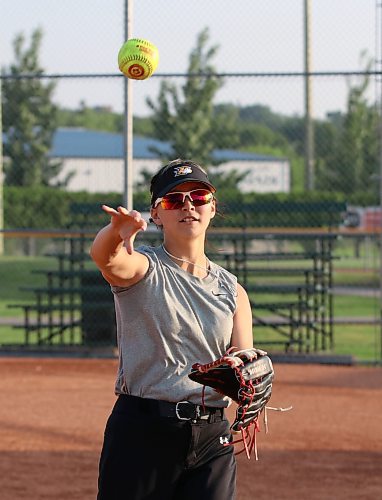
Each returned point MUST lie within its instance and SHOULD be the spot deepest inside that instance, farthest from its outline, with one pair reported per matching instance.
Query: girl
(174, 307)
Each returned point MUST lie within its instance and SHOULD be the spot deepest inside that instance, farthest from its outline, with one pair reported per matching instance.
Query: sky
(84, 36)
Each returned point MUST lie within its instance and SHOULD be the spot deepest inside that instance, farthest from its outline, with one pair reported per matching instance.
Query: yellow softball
(138, 58)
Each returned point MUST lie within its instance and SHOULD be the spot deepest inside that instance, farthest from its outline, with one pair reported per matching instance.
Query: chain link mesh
(284, 161)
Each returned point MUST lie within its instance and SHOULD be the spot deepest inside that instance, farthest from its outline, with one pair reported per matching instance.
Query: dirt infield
(53, 412)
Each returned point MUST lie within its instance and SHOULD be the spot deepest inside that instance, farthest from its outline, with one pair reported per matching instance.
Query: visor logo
(183, 170)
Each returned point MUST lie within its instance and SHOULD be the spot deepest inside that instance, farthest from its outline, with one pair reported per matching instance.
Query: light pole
(380, 215)
(378, 66)
(1, 179)
(309, 133)
(128, 120)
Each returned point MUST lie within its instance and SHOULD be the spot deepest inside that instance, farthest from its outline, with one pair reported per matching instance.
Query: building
(95, 160)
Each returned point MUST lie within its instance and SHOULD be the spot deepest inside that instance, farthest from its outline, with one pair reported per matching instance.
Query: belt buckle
(177, 410)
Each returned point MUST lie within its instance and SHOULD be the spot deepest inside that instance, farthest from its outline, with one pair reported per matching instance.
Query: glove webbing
(249, 440)
(246, 394)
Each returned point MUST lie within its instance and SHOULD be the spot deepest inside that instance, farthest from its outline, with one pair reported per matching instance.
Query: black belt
(183, 410)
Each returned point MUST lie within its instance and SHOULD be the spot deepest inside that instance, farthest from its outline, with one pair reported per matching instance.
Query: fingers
(135, 215)
(128, 243)
(123, 212)
(127, 223)
(250, 354)
(261, 352)
(109, 210)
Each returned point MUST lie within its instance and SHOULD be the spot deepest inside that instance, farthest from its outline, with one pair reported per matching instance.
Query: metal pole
(1, 179)
(128, 120)
(380, 228)
(379, 47)
(309, 137)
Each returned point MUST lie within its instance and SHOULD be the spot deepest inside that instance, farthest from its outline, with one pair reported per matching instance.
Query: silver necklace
(207, 269)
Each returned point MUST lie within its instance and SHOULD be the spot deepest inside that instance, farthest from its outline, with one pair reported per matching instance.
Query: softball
(138, 58)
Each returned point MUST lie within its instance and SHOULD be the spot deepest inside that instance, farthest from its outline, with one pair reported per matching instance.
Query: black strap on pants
(182, 410)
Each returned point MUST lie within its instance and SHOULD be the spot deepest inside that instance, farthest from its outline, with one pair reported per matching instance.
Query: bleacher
(289, 289)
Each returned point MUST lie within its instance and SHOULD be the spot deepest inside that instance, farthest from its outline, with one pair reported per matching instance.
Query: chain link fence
(292, 143)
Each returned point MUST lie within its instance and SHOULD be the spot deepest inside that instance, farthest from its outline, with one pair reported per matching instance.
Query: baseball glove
(246, 377)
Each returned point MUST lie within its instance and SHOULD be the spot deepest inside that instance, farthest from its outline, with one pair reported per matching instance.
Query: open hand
(128, 224)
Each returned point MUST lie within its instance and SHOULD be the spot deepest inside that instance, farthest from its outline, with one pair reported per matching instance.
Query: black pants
(149, 457)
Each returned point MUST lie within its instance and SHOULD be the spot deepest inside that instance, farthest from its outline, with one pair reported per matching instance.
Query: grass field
(361, 340)
(16, 272)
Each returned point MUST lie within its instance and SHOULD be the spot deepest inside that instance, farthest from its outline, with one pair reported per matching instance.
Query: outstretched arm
(113, 247)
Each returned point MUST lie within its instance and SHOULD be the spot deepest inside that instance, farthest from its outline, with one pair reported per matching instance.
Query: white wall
(101, 175)
(106, 175)
(262, 176)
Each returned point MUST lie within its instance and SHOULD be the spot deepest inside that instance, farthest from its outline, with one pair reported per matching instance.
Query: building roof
(84, 143)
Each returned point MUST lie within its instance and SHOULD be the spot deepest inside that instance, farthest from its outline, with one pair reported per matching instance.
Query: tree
(187, 122)
(355, 156)
(225, 127)
(29, 117)
(91, 118)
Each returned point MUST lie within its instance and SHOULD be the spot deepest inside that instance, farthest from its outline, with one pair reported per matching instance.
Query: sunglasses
(174, 201)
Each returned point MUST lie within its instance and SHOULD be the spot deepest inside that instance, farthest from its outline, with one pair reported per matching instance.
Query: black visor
(178, 172)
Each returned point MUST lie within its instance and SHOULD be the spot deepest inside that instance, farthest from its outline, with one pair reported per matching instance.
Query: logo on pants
(224, 440)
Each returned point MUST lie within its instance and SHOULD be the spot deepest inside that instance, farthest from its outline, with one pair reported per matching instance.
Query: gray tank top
(167, 322)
